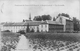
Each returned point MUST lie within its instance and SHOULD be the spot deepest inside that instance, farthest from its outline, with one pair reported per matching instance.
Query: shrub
(28, 29)
(6, 31)
(32, 30)
(37, 30)
(21, 32)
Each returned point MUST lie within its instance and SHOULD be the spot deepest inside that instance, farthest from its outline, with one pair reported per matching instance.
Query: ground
(41, 41)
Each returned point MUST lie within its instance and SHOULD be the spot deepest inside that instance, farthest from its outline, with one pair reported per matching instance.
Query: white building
(61, 24)
(15, 27)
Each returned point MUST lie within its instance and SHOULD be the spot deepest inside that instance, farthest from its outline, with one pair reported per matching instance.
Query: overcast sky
(17, 10)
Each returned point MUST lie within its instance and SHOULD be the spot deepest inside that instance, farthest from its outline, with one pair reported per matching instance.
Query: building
(60, 24)
(15, 27)
(41, 26)
(67, 22)
(50, 26)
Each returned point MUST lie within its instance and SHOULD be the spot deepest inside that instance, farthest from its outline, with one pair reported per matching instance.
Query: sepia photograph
(39, 25)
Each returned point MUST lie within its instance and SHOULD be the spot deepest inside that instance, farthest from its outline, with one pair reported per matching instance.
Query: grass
(57, 36)
(9, 40)
(52, 36)
(9, 36)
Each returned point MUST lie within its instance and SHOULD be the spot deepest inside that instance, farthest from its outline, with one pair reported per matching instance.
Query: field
(57, 36)
(54, 42)
(9, 40)
(41, 40)
(8, 36)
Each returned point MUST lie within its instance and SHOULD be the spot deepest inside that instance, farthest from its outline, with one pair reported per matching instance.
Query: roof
(32, 23)
(14, 24)
(51, 22)
(63, 16)
(69, 20)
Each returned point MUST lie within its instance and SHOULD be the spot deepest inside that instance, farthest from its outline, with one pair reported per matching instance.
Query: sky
(17, 10)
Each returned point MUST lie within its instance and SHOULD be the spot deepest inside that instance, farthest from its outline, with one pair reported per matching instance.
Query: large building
(60, 24)
(50, 26)
(15, 27)
(67, 22)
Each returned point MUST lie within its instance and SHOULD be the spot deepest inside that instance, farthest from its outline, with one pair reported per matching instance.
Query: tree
(21, 32)
(37, 18)
(37, 30)
(75, 24)
(32, 30)
(43, 17)
(66, 15)
(6, 30)
(63, 14)
(27, 29)
(46, 17)
(23, 20)
(54, 18)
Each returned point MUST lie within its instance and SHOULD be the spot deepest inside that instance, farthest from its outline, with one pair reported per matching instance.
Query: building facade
(15, 27)
(69, 25)
(60, 24)
(67, 22)
(51, 26)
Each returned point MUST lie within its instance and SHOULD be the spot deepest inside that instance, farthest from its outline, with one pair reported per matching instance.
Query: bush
(32, 30)
(6, 31)
(21, 32)
(37, 30)
(28, 29)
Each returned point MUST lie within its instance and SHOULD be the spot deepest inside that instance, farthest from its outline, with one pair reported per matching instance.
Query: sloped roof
(33, 23)
(51, 22)
(7, 24)
(63, 16)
